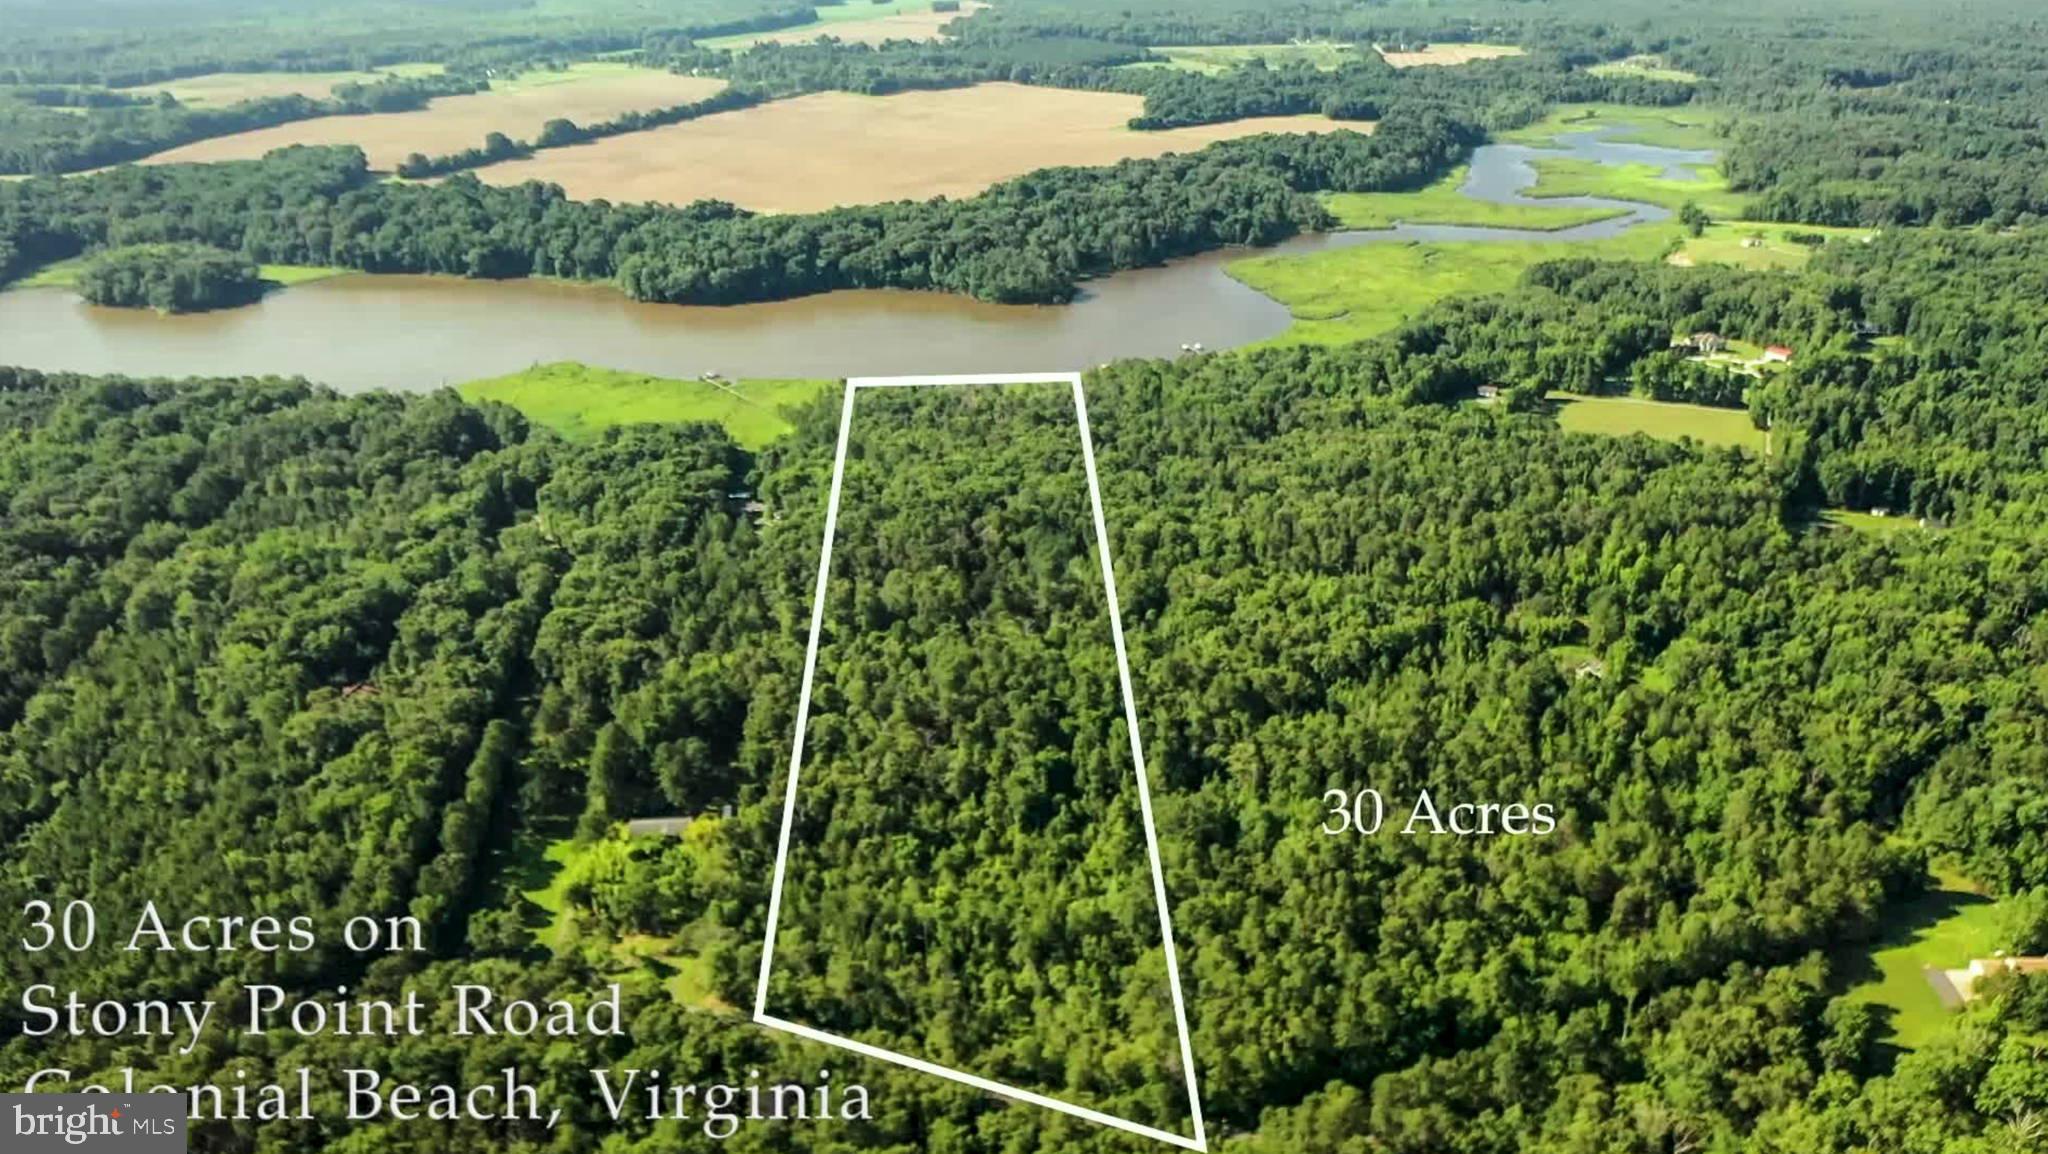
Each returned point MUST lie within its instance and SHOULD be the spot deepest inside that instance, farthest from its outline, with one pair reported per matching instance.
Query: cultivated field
(859, 22)
(217, 89)
(832, 148)
(1447, 54)
(586, 94)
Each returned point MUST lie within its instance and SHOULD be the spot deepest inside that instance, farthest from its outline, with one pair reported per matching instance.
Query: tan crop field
(1449, 54)
(218, 89)
(454, 123)
(911, 20)
(813, 152)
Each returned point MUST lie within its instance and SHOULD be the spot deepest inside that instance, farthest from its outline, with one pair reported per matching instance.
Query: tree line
(1032, 239)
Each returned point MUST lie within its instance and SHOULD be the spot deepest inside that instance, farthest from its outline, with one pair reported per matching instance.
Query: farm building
(1778, 353)
(1965, 981)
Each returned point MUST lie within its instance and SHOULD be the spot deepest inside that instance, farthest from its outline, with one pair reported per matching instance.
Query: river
(409, 333)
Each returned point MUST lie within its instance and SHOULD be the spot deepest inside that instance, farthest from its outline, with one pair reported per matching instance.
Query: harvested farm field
(586, 94)
(1448, 54)
(909, 20)
(219, 89)
(814, 152)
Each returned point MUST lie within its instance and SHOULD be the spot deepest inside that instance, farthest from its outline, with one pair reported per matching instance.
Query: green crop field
(1724, 243)
(1354, 293)
(1443, 203)
(1682, 127)
(1664, 420)
(1944, 928)
(582, 401)
(1570, 176)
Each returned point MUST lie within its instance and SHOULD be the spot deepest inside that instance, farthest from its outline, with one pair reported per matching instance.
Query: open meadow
(1648, 66)
(1762, 245)
(832, 148)
(1351, 294)
(1664, 420)
(581, 401)
(584, 93)
(858, 22)
(1439, 54)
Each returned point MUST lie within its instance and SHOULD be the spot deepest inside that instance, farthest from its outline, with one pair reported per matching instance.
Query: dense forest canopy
(267, 648)
(1334, 574)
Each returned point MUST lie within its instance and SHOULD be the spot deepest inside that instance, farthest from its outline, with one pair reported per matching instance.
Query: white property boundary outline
(1200, 1142)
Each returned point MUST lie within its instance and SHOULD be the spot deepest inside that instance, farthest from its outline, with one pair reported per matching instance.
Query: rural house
(1781, 354)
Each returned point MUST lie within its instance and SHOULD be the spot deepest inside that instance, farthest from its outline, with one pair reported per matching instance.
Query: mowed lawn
(1664, 420)
(1442, 203)
(814, 152)
(857, 22)
(218, 89)
(1944, 928)
(585, 93)
(1761, 245)
(581, 401)
(1354, 293)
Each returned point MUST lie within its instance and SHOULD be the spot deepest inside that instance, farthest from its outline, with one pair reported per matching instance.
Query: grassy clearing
(1442, 203)
(1664, 420)
(1570, 176)
(1212, 59)
(549, 866)
(1649, 67)
(1944, 928)
(581, 401)
(1680, 127)
(518, 106)
(1354, 293)
(219, 89)
(1870, 523)
(811, 153)
(1446, 54)
(857, 22)
(1728, 243)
